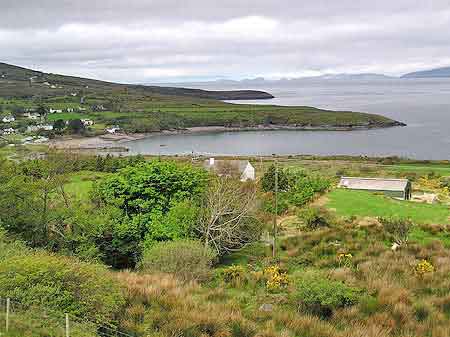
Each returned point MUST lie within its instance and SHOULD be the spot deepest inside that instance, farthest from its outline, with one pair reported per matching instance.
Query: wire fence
(17, 319)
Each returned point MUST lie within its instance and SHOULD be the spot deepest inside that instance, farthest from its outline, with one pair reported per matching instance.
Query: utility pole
(274, 251)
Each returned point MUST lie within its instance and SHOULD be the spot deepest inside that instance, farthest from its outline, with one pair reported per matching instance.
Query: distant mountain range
(433, 73)
(261, 81)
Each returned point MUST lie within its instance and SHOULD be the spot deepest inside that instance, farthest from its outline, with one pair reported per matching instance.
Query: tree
(151, 200)
(76, 126)
(59, 125)
(227, 219)
(42, 110)
(268, 180)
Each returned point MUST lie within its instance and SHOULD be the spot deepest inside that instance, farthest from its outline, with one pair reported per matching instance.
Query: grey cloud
(138, 40)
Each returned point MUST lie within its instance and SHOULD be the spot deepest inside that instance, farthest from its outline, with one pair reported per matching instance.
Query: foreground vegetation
(162, 248)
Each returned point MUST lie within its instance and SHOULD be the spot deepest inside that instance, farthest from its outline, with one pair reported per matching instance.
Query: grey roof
(235, 165)
(375, 184)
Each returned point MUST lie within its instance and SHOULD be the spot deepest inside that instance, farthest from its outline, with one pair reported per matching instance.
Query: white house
(9, 131)
(241, 169)
(35, 128)
(70, 110)
(112, 129)
(52, 111)
(8, 119)
(33, 116)
(87, 122)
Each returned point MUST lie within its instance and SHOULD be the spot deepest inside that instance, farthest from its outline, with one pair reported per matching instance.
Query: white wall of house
(249, 173)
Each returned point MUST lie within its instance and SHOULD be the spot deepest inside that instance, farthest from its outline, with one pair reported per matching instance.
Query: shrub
(314, 218)
(276, 279)
(398, 228)
(234, 274)
(423, 267)
(345, 260)
(322, 296)
(187, 259)
(61, 284)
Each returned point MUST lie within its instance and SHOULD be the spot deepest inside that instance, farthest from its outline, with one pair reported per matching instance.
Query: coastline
(117, 142)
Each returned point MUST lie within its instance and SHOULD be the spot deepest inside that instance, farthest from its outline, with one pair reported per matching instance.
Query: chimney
(211, 161)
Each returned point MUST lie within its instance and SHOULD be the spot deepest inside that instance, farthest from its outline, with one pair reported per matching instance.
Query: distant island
(432, 73)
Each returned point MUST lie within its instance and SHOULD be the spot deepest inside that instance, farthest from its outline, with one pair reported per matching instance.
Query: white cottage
(8, 119)
(241, 169)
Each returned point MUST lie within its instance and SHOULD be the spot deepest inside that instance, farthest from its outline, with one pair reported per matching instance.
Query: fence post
(8, 305)
(67, 326)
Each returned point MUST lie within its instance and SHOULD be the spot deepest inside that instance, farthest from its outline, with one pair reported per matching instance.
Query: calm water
(423, 104)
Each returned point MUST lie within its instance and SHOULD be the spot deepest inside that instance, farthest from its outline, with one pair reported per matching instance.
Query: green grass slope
(361, 203)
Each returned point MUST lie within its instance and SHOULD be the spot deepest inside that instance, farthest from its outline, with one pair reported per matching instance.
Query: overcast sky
(181, 40)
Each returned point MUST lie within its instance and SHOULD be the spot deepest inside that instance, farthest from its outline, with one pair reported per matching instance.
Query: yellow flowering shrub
(276, 279)
(345, 259)
(233, 274)
(423, 267)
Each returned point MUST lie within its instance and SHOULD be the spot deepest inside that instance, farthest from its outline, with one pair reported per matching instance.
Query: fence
(17, 319)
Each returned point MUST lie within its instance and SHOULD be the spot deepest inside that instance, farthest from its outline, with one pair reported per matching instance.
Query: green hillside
(139, 108)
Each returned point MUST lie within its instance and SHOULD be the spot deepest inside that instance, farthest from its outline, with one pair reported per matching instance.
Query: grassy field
(80, 184)
(361, 203)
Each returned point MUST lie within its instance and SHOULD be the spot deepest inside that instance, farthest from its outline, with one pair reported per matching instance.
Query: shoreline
(116, 142)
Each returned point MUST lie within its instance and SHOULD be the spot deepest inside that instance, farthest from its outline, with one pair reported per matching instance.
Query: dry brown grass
(398, 302)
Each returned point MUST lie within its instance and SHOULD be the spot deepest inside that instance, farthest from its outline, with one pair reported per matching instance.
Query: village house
(52, 111)
(39, 127)
(87, 122)
(32, 115)
(8, 131)
(112, 129)
(241, 169)
(8, 119)
(70, 110)
(395, 188)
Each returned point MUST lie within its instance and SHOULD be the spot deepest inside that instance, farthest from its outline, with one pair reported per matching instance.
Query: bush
(398, 228)
(423, 267)
(320, 296)
(234, 274)
(61, 284)
(314, 218)
(187, 259)
(276, 278)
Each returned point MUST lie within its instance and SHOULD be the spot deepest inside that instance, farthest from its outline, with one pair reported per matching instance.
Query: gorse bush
(276, 278)
(234, 274)
(423, 267)
(61, 284)
(321, 296)
(186, 259)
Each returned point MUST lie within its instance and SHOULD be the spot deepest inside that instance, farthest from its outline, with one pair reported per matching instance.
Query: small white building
(70, 110)
(9, 131)
(113, 129)
(32, 115)
(241, 169)
(39, 127)
(52, 111)
(87, 122)
(8, 119)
